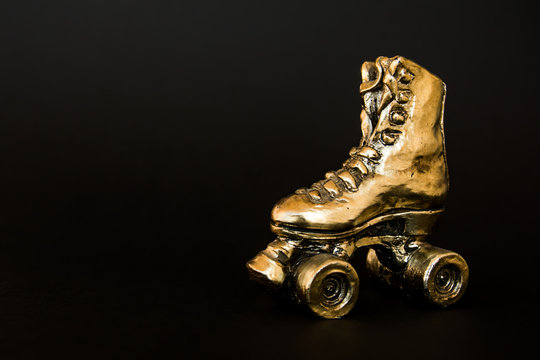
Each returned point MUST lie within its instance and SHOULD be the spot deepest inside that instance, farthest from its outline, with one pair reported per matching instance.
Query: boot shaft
(404, 103)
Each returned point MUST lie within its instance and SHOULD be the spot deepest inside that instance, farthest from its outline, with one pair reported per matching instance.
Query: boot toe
(296, 211)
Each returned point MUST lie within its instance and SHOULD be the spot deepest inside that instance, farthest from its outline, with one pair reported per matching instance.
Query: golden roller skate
(388, 196)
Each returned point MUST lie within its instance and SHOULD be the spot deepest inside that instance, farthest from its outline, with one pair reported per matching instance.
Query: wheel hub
(447, 279)
(334, 289)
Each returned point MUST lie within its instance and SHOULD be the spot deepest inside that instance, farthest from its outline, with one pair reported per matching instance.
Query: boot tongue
(369, 72)
(371, 75)
(370, 89)
(378, 89)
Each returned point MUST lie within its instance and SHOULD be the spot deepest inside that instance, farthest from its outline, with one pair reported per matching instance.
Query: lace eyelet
(389, 136)
(404, 96)
(398, 115)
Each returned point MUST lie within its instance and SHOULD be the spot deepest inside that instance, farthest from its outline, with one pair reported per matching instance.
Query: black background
(143, 144)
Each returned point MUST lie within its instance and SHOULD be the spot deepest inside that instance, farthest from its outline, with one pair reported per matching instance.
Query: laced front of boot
(378, 89)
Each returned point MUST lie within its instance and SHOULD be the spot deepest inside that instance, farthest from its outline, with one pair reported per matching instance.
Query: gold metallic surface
(388, 196)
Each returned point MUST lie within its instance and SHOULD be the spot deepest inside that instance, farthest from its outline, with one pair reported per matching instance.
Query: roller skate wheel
(444, 274)
(328, 285)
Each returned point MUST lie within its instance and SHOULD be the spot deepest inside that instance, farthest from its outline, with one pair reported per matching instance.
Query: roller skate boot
(388, 196)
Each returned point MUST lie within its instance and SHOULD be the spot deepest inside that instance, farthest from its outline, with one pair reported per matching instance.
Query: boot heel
(418, 223)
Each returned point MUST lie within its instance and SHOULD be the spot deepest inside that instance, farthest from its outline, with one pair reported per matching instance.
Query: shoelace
(346, 179)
